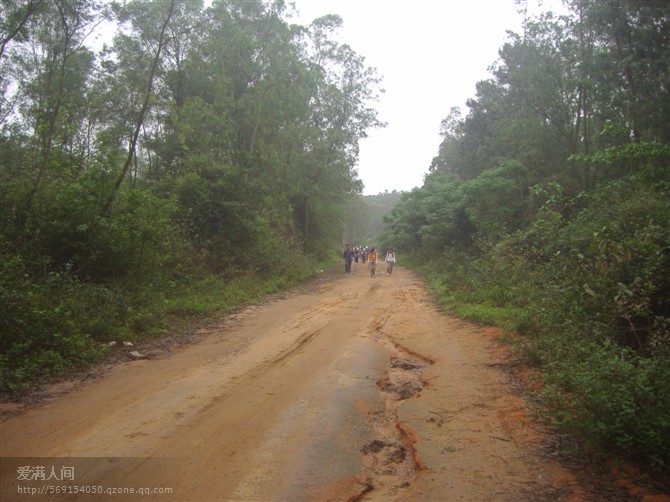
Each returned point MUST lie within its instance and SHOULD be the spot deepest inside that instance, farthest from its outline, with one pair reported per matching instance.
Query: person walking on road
(348, 258)
(390, 261)
(372, 261)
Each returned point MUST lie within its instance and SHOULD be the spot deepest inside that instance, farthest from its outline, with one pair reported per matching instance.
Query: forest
(547, 211)
(206, 156)
(200, 158)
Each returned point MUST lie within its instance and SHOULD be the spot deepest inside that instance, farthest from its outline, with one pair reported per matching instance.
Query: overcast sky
(430, 54)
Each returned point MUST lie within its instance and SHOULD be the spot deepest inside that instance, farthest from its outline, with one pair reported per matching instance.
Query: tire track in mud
(297, 346)
(390, 461)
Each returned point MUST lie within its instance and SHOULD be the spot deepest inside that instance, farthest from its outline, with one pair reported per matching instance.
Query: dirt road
(358, 389)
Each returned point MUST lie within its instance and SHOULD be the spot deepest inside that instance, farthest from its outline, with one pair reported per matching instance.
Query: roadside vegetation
(198, 160)
(547, 212)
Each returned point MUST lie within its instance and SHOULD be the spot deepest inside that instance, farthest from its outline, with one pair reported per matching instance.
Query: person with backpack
(372, 261)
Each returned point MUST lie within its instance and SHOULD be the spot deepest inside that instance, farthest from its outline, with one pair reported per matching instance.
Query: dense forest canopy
(200, 140)
(547, 207)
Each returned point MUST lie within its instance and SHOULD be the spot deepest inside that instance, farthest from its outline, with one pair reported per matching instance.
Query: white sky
(430, 54)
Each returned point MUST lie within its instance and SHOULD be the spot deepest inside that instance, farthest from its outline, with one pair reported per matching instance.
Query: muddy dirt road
(358, 389)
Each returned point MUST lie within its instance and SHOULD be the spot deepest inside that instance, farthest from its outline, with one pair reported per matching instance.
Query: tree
(546, 210)
(340, 115)
(50, 66)
(632, 47)
(147, 96)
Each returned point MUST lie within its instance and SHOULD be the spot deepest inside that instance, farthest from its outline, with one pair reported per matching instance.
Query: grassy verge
(609, 397)
(57, 325)
(476, 293)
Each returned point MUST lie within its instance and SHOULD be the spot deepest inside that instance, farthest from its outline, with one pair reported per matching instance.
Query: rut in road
(390, 459)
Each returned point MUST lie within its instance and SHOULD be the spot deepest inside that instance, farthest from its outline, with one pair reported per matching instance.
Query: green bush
(56, 323)
(589, 283)
(610, 398)
(49, 325)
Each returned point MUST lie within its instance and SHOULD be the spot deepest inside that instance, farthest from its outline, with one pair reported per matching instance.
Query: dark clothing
(348, 258)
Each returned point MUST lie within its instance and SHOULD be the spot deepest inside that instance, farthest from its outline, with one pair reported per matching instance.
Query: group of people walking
(369, 256)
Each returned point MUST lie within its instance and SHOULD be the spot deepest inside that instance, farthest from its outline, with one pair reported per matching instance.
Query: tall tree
(50, 66)
(633, 43)
(341, 113)
(154, 37)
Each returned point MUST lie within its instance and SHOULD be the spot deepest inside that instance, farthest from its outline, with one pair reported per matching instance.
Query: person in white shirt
(390, 261)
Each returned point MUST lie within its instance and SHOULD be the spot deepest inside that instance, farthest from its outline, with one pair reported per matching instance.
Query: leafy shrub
(589, 282)
(49, 325)
(611, 398)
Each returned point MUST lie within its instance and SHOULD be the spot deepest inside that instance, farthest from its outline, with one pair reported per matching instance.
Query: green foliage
(609, 397)
(200, 160)
(497, 287)
(448, 211)
(629, 151)
(587, 282)
(218, 216)
(547, 212)
(612, 260)
(496, 199)
(48, 324)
